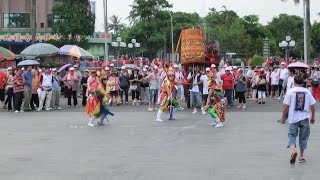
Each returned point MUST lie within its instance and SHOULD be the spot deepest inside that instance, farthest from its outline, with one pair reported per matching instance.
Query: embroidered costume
(167, 102)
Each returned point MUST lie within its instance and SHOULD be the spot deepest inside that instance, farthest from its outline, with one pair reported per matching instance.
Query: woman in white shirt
(274, 82)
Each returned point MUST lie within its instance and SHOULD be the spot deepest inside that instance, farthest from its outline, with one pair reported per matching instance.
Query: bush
(257, 60)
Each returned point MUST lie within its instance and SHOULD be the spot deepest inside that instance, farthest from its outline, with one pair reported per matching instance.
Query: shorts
(2, 94)
(204, 98)
(114, 93)
(153, 95)
(261, 94)
(301, 128)
(195, 99)
(274, 87)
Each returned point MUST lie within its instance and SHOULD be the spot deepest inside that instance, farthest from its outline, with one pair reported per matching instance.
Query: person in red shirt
(3, 81)
(228, 80)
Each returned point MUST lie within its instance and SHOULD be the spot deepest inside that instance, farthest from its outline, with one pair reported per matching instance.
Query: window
(16, 20)
(51, 20)
(42, 25)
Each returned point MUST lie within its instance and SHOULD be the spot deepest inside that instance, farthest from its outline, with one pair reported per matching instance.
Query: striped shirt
(18, 84)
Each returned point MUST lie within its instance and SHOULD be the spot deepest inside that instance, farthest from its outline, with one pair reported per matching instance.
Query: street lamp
(134, 44)
(119, 45)
(287, 44)
(171, 36)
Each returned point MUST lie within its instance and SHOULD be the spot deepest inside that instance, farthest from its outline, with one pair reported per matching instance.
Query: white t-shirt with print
(196, 87)
(290, 100)
(204, 79)
(274, 78)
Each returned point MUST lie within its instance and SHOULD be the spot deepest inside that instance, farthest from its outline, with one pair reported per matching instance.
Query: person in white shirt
(205, 89)
(178, 81)
(283, 76)
(290, 81)
(46, 81)
(274, 82)
(196, 83)
(298, 103)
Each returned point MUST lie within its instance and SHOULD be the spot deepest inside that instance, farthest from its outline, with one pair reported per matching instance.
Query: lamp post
(287, 44)
(172, 50)
(119, 45)
(134, 44)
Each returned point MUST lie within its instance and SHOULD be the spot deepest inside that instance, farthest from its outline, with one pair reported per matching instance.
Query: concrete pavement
(59, 145)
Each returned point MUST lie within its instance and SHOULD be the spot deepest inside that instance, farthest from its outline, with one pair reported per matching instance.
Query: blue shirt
(56, 83)
(28, 79)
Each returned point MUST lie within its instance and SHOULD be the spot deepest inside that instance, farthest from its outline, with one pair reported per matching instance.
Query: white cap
(40, 70)
(54, 69)
(87, 70)
(283, 63)
(9, 68)
(111, 65)
(71, 69)
(146, 66)
(213, 66)
(208, 69)
(228, 68)
(176, 66)
(123, 68)
(107, 69)
(155, 67)
(144, 69)
(234, 67)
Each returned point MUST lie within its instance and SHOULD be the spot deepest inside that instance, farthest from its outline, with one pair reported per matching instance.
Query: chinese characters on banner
(24, 37)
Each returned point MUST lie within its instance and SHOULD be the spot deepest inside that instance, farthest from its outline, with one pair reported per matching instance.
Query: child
(262, 87)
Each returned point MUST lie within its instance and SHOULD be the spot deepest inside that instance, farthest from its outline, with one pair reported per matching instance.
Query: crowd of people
(31, 89)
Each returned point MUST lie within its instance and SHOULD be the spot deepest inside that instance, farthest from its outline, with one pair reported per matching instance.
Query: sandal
(302, 160)
(293, 158)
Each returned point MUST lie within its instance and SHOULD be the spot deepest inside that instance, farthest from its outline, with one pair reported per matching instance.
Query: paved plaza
(59, 145)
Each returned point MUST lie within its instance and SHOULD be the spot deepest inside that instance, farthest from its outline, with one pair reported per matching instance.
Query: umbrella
(64, 67)
(73, 50)
(298, 65)
(40, 50)
(28, 63)
(131, 66)
(6, 54)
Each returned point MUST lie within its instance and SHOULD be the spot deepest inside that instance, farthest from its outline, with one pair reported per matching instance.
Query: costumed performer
(97, 103)
(215, 102)
(167, 102)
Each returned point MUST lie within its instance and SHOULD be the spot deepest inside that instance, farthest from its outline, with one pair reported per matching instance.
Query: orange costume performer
(97, 102)
(167, 103)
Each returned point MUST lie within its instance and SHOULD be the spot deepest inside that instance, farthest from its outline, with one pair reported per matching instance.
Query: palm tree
(307, 25)
(115, 24)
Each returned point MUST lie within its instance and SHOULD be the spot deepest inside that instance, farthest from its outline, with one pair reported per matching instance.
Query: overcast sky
(265, 9)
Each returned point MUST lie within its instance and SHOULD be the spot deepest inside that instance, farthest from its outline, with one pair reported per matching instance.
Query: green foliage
(72, 18)
(257, 60)
(115, 24)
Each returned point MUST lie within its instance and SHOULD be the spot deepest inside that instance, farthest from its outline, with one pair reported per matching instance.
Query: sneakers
(203, 111)
(181, 108)
(159, 120)
(39, 109)
(90, 124)
(59, 108)
(213, 124)
(21, 111)
(47, 109)
(69, 106)
(244, 107)
(150, 109)
(219, 125)
(194, 111)
(16, 111)
(76, 105)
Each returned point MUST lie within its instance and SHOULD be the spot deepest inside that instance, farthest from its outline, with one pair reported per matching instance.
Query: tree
(73, 19)
(147, 9)
(307, 26)
(115, 24)
(286, 25)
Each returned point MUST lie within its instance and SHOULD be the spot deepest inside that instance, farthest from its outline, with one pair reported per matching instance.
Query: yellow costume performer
(167, 103)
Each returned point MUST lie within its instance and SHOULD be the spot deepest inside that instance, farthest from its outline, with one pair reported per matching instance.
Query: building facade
(15, 23)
